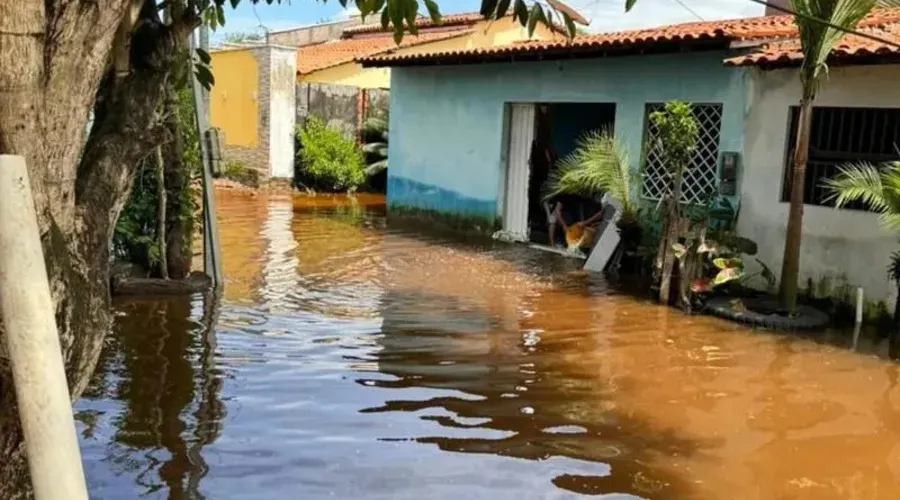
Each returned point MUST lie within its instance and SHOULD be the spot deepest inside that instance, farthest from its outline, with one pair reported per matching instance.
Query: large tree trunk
(53, 56)
(790, 265)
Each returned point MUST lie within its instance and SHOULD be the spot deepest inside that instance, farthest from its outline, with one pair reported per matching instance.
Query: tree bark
(790, 264)
(673, 224)
(53, 57)
(161, 240)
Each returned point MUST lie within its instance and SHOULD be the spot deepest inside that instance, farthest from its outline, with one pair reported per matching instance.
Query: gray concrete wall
(339, 105)
(308, 35)
(379, 101)
(780, 3)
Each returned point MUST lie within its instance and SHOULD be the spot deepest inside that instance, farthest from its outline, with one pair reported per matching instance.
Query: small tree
(817, 40)
(676, 141)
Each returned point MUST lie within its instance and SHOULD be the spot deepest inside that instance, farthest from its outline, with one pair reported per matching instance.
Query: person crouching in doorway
(578, 235)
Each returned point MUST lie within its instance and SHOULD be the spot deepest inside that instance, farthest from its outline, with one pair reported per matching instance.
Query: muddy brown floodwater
(352, 359)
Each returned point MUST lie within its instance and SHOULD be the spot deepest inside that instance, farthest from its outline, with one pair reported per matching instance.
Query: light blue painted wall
(446, 130)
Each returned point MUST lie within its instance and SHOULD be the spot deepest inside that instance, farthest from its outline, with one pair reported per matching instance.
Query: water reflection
(352, 359)
(166, 391)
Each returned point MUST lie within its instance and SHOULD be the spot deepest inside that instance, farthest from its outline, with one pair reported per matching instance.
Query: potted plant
(600, 165)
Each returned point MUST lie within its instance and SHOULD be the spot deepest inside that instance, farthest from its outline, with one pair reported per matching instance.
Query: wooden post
(32, 339)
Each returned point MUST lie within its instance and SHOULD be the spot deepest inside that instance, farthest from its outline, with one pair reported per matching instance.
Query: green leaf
(204, 56)
(565, 10)
(235, 3)
(503, 7)
(434, 12)
(412, 11)
(385, 19)
(629, 4)
(488, 7)
(570, 25)
(728, 263)
(397, 13)
(726, 275)
(205, 76)
(220, 15)
(535, 16)
(520, 12)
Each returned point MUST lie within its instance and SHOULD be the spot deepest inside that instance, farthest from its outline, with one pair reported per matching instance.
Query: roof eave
(786, 62)
(718, 42)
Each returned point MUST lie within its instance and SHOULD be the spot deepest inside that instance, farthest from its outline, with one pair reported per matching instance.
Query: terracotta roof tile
(747, 29)
(789, 52)
(465, 19)
(330, 54)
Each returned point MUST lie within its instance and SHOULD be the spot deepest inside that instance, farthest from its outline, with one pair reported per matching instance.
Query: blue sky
(605, 15)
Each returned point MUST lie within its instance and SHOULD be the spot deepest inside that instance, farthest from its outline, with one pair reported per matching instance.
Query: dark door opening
(558, 126)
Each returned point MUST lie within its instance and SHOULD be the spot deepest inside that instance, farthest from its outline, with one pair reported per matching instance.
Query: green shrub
(327, 160)
(236, 171)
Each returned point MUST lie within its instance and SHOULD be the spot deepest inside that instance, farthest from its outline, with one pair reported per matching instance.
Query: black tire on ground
(807, 318)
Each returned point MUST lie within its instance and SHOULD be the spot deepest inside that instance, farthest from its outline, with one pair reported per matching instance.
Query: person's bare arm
(557, 211)
(594, 218)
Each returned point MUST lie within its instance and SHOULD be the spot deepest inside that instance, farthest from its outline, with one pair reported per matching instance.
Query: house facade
(262, 90)
(856, 118)
(462, 123)
(334, 61)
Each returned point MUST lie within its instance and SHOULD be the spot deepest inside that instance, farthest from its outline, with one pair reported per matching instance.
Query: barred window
(839, 136)
(701, 179)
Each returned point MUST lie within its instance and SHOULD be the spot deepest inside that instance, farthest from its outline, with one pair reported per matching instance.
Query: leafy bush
(135, 237)
(327, 160)
(239, 172)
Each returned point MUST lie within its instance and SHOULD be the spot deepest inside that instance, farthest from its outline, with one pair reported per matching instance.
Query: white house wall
(282, 112)
(840, 246)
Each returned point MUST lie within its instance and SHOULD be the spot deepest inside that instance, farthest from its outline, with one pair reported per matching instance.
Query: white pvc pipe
(859, 305)
(45, 407)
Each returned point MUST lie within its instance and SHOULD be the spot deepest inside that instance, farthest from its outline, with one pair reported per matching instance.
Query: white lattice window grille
(701, 180)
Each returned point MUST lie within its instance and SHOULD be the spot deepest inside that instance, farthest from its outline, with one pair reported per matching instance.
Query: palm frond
(818, 39)
(377, 148)
(377, 167)
(598, 165)
(888, 3)
(876, 186)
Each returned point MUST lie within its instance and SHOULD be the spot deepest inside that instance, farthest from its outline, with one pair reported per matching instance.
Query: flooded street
(350, 359)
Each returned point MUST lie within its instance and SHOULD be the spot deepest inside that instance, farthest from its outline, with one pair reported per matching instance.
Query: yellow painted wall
(486, 34)
(234, 99)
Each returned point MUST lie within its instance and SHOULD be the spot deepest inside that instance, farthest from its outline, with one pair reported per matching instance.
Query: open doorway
(557, 128)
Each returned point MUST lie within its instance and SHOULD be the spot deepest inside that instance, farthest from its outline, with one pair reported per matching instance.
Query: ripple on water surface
(352, 359)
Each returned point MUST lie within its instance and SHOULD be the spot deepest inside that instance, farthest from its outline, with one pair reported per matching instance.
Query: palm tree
(817, 40)
(879, 188)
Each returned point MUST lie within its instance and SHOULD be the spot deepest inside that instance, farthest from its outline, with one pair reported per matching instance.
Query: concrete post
(45, 407)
